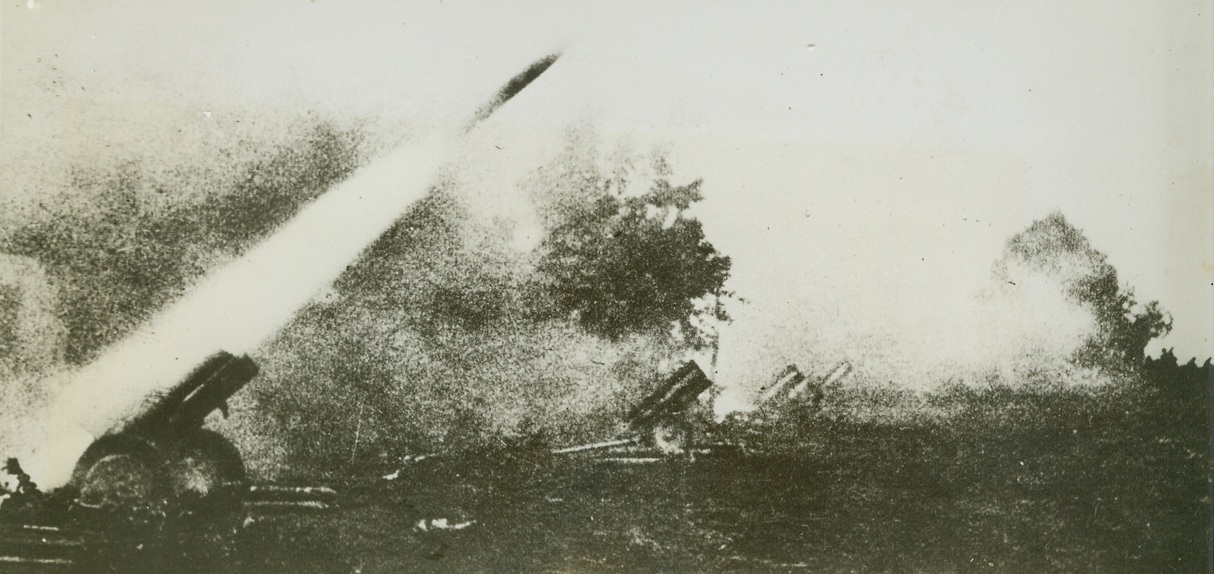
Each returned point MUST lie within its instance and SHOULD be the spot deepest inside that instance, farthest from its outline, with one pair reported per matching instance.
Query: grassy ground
(908, 498)
(1008, 481)
(997, 480)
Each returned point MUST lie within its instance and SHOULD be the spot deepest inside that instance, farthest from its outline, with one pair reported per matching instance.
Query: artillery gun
(165, 451)
(791, 387)
(662, 420)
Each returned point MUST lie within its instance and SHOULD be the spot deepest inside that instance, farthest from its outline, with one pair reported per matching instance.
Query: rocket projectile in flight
(513, 87)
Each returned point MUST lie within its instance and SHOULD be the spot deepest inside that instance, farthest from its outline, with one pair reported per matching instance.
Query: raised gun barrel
(203, 391)
(788, 379)
(676, 393)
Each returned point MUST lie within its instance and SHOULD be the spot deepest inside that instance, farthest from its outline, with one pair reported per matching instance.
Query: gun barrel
(206, 389)
(215, 392)
(840, 370)
(791, 376)
(674, 394)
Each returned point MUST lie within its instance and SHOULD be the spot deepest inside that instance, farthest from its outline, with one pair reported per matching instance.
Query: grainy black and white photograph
(309, 286)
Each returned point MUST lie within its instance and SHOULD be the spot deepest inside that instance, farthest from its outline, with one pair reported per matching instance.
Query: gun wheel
(119, 471)
(671, 438)
(120, 480)
(208, 465)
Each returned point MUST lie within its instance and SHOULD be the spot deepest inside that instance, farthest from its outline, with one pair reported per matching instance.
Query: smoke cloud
(119, 237)
(442, 335)
(1046, 315)
(31, 350)
(439, 336)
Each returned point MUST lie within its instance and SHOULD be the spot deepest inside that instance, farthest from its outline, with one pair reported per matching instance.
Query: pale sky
(864, 162)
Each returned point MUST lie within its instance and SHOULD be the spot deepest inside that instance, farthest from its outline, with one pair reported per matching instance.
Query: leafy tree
(623, 264)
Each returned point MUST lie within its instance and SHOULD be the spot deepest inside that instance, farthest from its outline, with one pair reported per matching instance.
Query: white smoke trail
(31, 347)
(246, 302)
(252, 298)
(238, 307)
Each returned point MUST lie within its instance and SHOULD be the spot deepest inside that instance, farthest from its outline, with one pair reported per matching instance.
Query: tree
(622, 264)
